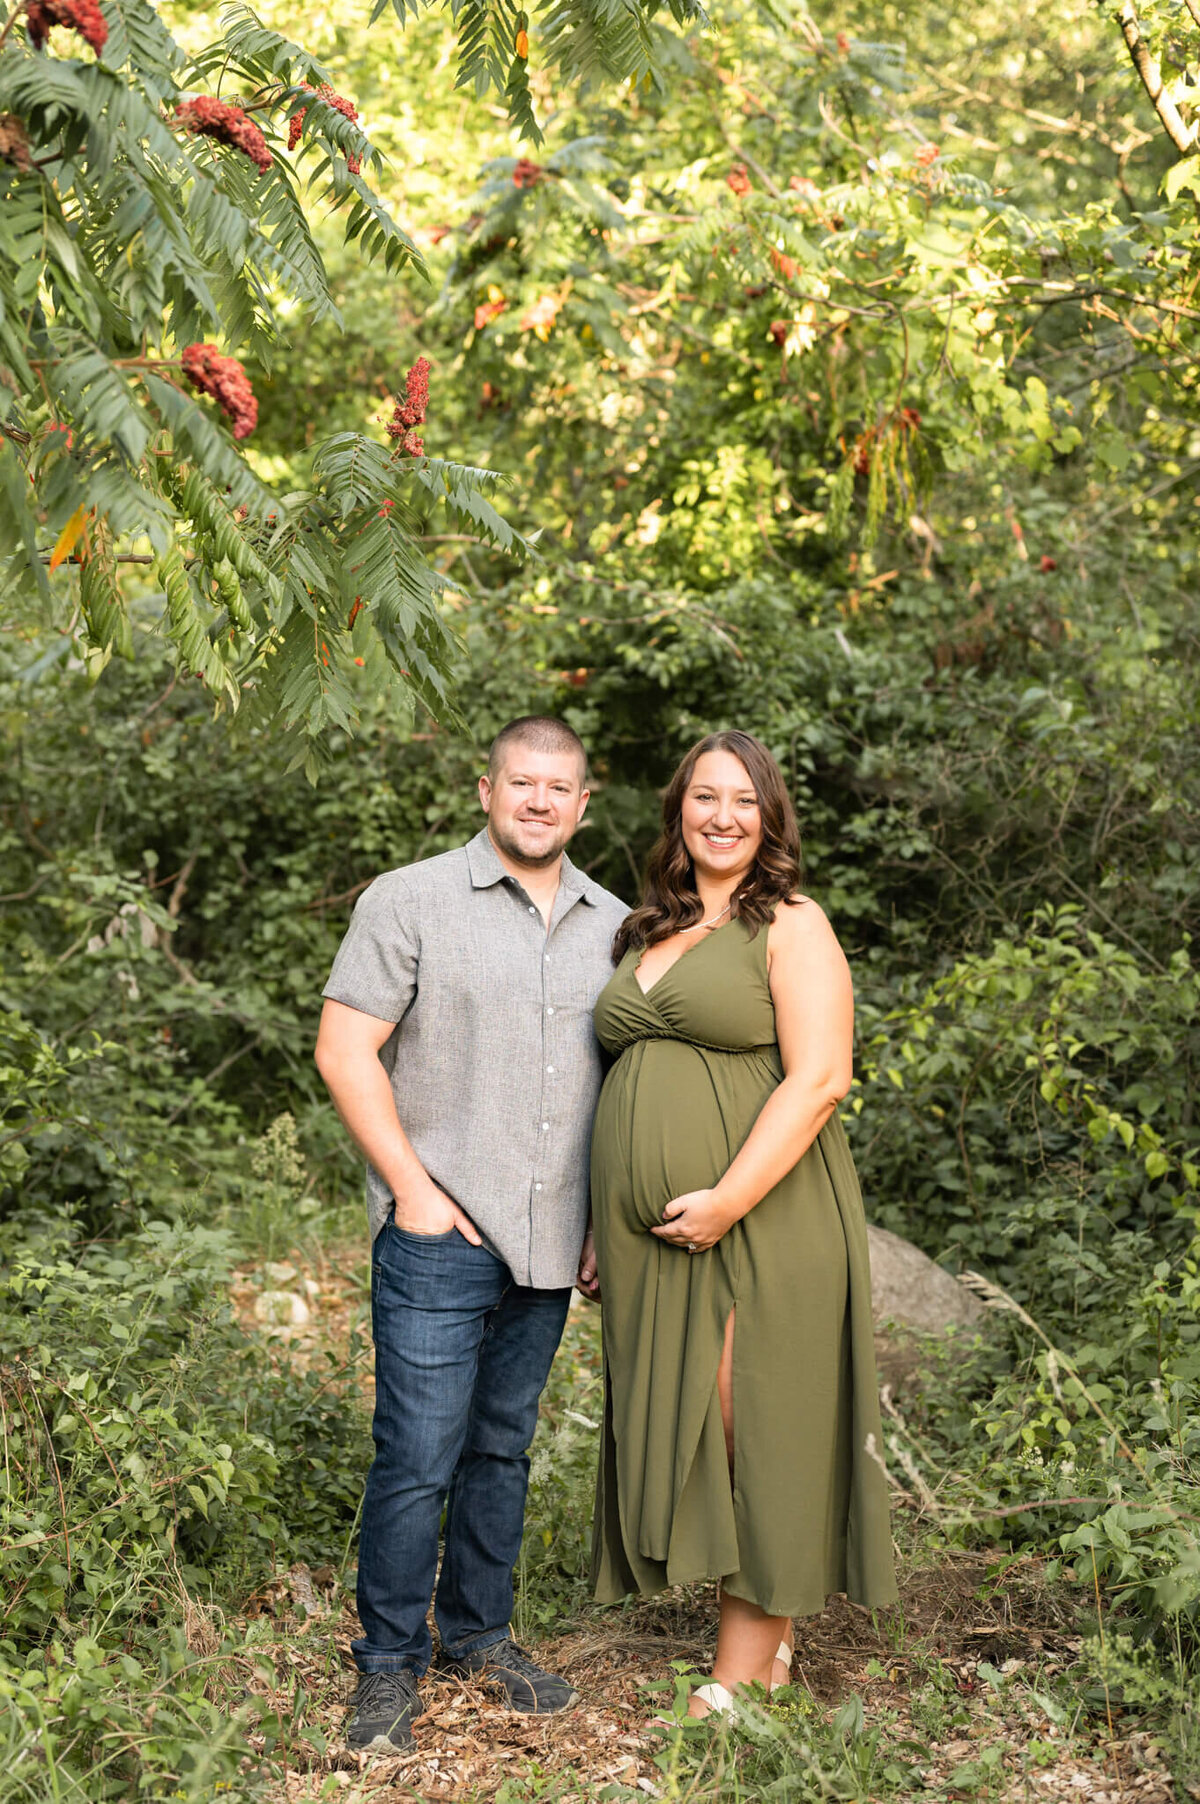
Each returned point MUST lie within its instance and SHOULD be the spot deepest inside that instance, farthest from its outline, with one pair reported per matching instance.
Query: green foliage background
(838, 381)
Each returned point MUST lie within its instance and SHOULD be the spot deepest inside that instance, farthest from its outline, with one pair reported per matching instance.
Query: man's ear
(584, 798)
(485, 793)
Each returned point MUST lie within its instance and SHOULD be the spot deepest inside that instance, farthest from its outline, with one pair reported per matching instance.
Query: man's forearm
(362, 1095)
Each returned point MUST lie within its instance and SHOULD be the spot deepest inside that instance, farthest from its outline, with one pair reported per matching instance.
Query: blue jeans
(462, 1354)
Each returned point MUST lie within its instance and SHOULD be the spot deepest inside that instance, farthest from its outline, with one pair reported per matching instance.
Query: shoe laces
(382, 1690)
(514, 1659)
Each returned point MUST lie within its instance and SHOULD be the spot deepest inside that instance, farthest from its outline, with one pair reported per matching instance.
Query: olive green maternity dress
(806, 1513)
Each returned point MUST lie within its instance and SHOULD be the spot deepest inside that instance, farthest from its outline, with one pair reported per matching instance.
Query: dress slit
(727, 1346)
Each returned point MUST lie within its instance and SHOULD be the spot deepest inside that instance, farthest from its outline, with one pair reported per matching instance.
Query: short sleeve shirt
(494, 1064)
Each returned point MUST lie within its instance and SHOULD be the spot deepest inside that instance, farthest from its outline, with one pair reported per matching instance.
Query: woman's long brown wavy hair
(669, 899)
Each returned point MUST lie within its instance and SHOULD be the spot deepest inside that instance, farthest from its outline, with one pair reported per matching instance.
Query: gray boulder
(912, 1297)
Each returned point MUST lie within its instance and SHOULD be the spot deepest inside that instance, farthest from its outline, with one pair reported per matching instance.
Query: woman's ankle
(761, 1675)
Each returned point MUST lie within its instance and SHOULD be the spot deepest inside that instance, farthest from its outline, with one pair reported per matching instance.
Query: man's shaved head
(540, 733)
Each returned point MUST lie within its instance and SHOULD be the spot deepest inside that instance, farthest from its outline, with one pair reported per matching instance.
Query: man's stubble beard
(531, 862)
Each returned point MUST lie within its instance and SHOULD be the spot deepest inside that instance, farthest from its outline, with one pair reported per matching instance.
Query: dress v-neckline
(686, 953)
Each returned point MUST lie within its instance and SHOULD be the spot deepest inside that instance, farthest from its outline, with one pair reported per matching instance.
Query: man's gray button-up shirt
(494, 1063)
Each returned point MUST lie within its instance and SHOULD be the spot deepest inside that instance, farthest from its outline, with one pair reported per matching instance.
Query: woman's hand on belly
(695, 1221)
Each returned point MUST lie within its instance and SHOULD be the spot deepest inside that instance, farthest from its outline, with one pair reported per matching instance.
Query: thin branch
(13, 16)
(347, 895)
(181, 883)
(184, 972)
(23, 895)
(159, 700)
(211, 1076)
(132, 557)
(1182, 136)
(1073, 128)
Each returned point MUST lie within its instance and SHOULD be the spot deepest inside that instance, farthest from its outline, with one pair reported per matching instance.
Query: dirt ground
(952, 1616)
(964, 1622)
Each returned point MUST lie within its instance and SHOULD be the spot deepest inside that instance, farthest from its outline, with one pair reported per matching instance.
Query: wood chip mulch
(468, 1745)
(960, 1613)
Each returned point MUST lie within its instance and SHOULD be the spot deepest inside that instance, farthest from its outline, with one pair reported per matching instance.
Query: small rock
(278, 1273)
(311, 1288)
(282, 1309)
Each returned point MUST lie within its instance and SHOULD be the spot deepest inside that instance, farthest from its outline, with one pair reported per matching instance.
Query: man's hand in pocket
(424, 1209)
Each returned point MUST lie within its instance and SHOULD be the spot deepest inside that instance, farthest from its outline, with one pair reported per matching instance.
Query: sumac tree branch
(1182, 135)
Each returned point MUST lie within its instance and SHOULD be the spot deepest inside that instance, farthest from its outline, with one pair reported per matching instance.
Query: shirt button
(545, 1127)
(532, 909)
(549, 1011)
(537, 1186)
(550, 1068)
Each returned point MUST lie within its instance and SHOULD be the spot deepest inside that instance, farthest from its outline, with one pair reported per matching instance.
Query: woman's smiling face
(720, 819)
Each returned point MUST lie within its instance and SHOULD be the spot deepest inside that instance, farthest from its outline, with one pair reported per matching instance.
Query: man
(456, 1041)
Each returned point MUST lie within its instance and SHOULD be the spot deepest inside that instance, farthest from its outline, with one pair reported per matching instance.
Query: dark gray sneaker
(525, 1685)
(384, 1704)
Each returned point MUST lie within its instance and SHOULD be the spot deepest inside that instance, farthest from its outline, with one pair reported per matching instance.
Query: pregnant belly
(662, 1129)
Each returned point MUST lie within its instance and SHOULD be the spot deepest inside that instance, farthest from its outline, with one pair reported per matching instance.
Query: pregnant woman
(741, 1438)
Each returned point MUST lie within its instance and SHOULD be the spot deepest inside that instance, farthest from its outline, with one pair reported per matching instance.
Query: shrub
(157, 1462)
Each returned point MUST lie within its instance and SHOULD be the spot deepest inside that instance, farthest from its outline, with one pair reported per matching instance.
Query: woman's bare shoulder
(801, 929)
(800, 914)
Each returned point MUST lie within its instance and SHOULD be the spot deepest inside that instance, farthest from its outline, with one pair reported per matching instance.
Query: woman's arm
(814, 1014)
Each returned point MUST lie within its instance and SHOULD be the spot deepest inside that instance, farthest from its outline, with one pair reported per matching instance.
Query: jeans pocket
(406, 1264)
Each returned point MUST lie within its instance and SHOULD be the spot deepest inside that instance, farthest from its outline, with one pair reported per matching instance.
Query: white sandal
(720, 1702)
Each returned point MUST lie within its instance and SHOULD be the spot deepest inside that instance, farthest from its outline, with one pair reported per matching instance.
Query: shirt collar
(483, 862)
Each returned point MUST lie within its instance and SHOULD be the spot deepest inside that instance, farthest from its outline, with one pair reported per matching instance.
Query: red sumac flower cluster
(212, 118)
(411, 411)
(83, 16)
(345, 107)
(207, 369)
